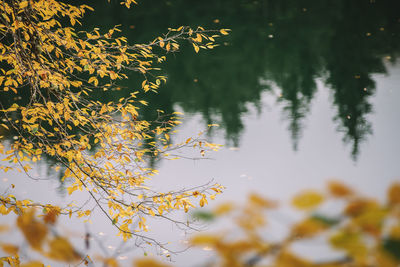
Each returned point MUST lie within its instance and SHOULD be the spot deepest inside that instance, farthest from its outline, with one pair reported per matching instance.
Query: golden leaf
(10, 249)
(34, 231)
(261, 202)
(62, 250)
(110, 262)
(351, 243)
(358, 206)
(371, 220)
(148, 262)
(307, 200)
(223, 209)
(23, 4)
(196, 48)
(33, 264)
(394, 194)
(287, 259)
(308, 228)
(4, 210)
(205, 239)
(4, 228)
(224, 31)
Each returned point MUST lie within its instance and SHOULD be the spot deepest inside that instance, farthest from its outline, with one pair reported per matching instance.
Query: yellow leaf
(5, 126)
(151, 212)
(261, 202)
(71, 189)
(205, 239)
(4, 210)
(103, 109)
(224, 31)
(34, 231)
(394, 194)
(10, 249)
(351, 243)
(359, 206)
(223, 209)
(307, 200)
(203, 201)
(62, 250)
(4, 228)
(23, 4)
(198, 38)
(196, 48)
(33, 264)
(308, 228)
(287, 259)
(148, 262)
(110, 262)
(93, 80)
(371, 220)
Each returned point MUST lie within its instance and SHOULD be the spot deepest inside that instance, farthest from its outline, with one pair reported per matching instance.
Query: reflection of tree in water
(358, 49)
(344, 44)
(290, 43)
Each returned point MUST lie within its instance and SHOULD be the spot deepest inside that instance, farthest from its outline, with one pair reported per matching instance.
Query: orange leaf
(338, 189)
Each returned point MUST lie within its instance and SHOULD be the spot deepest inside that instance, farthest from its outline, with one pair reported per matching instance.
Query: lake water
(304, 91)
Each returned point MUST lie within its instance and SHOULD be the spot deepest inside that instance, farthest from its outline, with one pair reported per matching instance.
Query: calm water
(304, 91)
(285, 45)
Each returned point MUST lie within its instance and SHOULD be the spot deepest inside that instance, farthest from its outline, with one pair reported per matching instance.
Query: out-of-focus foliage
(366, 231)
(52, 76)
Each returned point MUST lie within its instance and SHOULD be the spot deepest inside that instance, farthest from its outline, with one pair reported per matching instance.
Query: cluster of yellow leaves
(366, 231)
(102, 148)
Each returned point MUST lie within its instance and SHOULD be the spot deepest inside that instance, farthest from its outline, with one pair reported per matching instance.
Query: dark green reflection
(286, 43)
